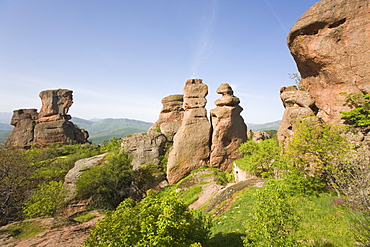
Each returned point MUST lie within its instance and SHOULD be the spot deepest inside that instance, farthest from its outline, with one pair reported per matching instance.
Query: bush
(273, 219)
(154, 221)
(47, 200)
(359, 116)
(106, 184)
(258, 158)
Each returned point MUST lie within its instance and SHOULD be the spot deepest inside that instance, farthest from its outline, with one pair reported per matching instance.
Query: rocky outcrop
(144, 148)
(170, 117)
(191, 148)
(330, 44)
(229, 129)
(51, 125)
(24, 122)
(257, 136)
(80, 166)
(298, 105)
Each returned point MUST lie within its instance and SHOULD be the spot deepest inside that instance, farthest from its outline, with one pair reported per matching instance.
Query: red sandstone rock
(170, 117)
(191, 146)
(330, 44)
(229, 129)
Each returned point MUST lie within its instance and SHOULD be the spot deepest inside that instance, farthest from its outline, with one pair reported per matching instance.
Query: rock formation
(229, 129)
(257, 136)
(298, 104)
(51, 125)
(191, 146)
(24, 122)
(170, 117)
(330, 44)
(144, 148)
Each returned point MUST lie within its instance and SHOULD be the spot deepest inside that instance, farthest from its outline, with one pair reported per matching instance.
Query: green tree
(106, 184)
(154, 221)
(258, 158)
(359, 116)
(273, 220)
(47, 200)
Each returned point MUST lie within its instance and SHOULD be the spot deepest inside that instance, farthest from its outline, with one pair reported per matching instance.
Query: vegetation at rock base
(154, 221)
(359, 116)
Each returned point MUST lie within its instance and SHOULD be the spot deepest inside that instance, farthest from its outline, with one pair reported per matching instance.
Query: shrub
(359, 116)
(273, 219)
(258, 158)
(106, 184)
(154, 221)
(47, 200)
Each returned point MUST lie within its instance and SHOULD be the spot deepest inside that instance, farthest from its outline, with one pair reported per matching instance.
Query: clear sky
(121, 57)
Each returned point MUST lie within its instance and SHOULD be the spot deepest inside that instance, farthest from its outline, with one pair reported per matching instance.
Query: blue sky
(121, 57)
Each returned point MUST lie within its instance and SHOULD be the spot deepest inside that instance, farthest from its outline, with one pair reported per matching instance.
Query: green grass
(85, 217)
(322, 223)
(25, 229)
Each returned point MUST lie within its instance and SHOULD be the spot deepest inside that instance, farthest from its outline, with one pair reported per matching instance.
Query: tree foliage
(359, 116)
(273, 218)
(258, 157)
(46, 200)
(154, 221)
(106, 184)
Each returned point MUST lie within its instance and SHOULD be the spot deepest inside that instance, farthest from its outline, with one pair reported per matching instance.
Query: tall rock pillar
(192, 142)
(229, 129)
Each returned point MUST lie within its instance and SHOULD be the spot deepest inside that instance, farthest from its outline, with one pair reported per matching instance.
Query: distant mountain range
(104, 129)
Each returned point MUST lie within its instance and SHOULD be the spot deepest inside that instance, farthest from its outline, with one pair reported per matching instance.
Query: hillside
(107, 128)
(265, 126)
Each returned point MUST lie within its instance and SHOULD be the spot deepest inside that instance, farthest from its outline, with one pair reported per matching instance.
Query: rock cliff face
(51, 125)
(229, 129)
(170, 117)
(330, 44)
(191, 146)
(298, 104)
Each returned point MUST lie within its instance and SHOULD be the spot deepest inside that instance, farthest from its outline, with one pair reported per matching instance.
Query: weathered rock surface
(51, 125)
(57, 233)
(330, 44)
(191, 147)
(229, 129)
(257, 136)
(144, 148)
(24, 122)
(298, 105)
(170, 117)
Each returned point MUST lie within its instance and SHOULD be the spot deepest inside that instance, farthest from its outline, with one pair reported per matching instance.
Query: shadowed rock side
(24, 122)
(192, 142)
(229, 129)
(330, 44)
(298, 104)
(170, 117)
(144, 148)
(51, 125)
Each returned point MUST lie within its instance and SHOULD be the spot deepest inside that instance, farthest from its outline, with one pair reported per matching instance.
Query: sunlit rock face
(229, 129)
(191, 146)
(170, 117)
(330, 44)
(298, 104)
(51, 125)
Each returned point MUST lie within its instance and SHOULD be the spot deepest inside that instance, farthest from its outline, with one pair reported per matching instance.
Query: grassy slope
(321, 221)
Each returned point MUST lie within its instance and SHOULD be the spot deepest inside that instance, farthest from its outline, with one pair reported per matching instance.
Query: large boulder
(55, 105)
(144, 148)
(24, 121)
(330, 44)
(170, 117)
(298, 104)
(229, 129)
(191, 146)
